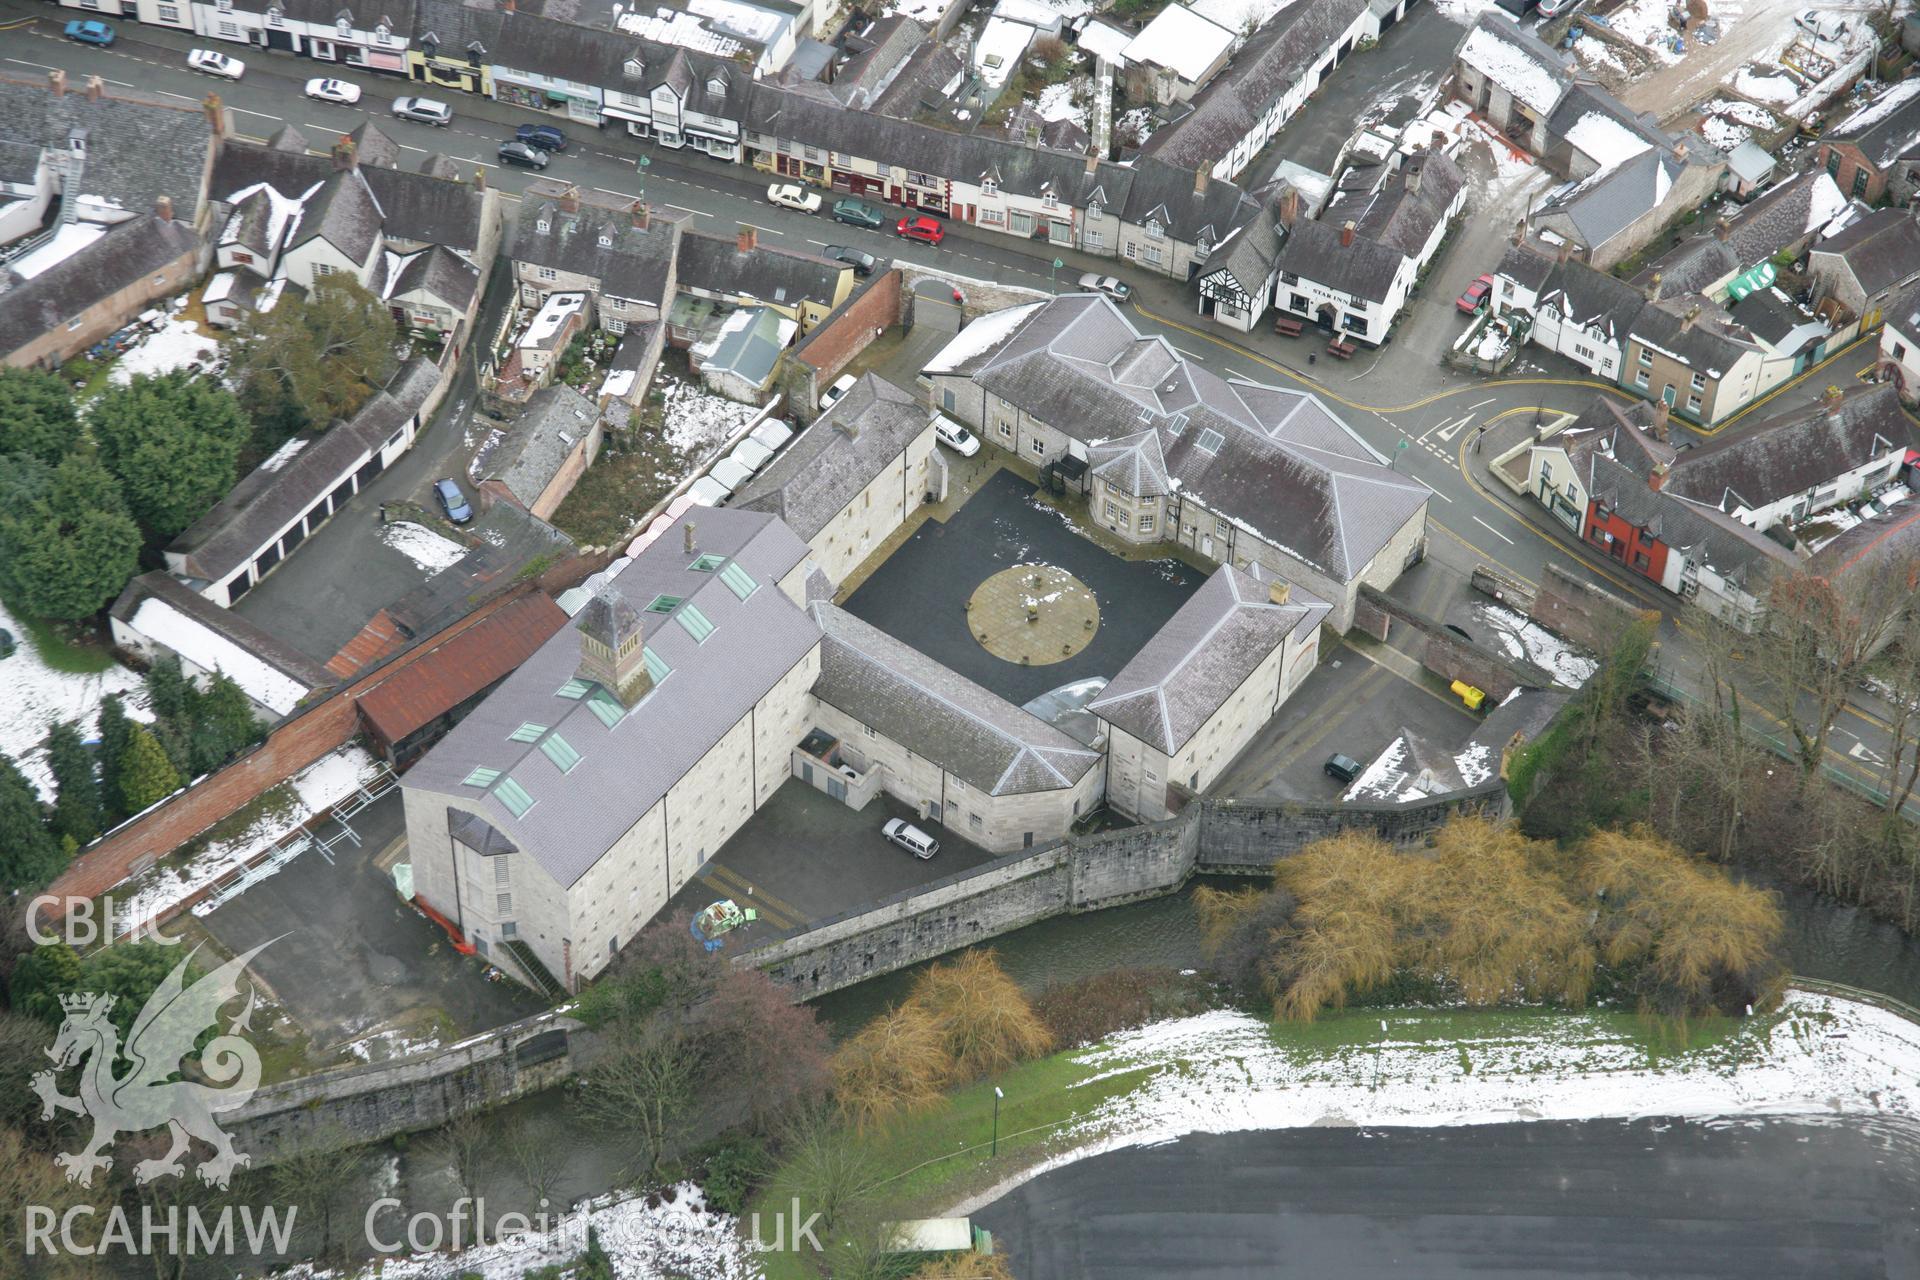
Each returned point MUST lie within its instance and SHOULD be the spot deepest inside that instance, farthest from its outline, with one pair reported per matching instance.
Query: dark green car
(858, 214)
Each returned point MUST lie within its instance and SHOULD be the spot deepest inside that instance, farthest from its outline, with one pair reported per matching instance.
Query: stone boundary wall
(1449, 656)
(1583, 613)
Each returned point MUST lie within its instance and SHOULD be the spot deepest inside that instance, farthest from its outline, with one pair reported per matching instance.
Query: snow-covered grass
(1241, 17)
(35, 696)
(1056, 102)
(1522, 638)
(178, 344)
(421, 545)
(1645, 23)
(697, 421)
(1764, 87)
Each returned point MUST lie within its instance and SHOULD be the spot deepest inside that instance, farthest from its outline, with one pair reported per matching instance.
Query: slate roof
(634, 263)
(374, 149)
(824, 468)
(1249, 252)
(1882, 250)
(1516, 60)
(19, 162)
(748, 345)
(1779, 322)
(1617, 432)
(624, 770)
(1276, 461)
(766, 272)
(449, 27)
(1202, 655)
(442, 678)
(888, 44)
(1708, 339)
(922, 83)
(138, 148)
(557, 419)
(1886, 130)
(1777, 218)
(120, 259)
(1703, 534)
(1591, 299)
(1366, 268)
(1258, 75)
(1613, 199)
(438, 272)
(1404, 211)
(160, 585)
(1132, 463)
(416, 207)
(344, 213)
(1616, 124)
(1793, 452)
(972, 733)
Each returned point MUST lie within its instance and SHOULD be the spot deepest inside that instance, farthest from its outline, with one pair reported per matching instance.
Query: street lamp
(997, 1095)
(1393, 463)
(644, 162)
(1053, 276)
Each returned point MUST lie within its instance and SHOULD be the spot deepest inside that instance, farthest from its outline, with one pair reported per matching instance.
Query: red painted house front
(1626, 542)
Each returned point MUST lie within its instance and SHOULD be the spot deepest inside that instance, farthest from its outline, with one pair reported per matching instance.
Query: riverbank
(1224, 1072)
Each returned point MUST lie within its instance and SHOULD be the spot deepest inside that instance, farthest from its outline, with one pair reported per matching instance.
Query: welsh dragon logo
(150, 1095)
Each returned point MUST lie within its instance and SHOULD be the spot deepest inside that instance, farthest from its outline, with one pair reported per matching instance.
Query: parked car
(1476, 296)
(524, 154)
(791, 195)
(90, 32)
(862, 263)
(841, 385)
(339, 91)
(213, 63)
(425, 110)
(921, 227)
(954, 436)
(1554, 8)
(452, 501)
(1341, 768)
(1821, 25)
(543, 136)
(911, 838)
(858, 213)
(1118, 290)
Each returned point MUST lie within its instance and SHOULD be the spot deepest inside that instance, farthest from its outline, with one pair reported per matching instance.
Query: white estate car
(216, 64)
(790, 195)
(954, 436)
(334, 91)
(841, 385)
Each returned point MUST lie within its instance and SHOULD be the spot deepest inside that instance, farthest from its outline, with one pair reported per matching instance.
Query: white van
(955, 436)
(911, 838)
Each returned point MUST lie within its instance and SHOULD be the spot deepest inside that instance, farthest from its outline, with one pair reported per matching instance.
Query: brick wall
(819, 357)
(1582, 612)
(312, 732)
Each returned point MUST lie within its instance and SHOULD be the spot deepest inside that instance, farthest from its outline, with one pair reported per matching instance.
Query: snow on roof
(998, 52)
(1181, 40)
(747, 20)
(1104, 40)
(1825, 202)
(1605, 139)
(1879, 109)
(1240, 15)
(1508, 66)
(979, 337)
(1032, 12)
(209, 650)
(69, 240)
(688, 30)
(619, 383)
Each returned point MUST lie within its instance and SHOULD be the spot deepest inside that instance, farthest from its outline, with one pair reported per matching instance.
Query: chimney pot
(343, 157)
(1653, 288)
(1832, 395)
(1722, 229)
(1564, 252)
(1093, 163)
(748, 240)
(95, 87)
(1346, 235)
(506, 6)
(1279, 592)
(642, 215)
(1686, 321)
(57, 81)
(691, 538)
(216, 114)
(1289, 207)
(1199, 182)
(480, 179)
(1657, 476)
(163, 208)
(570, 199)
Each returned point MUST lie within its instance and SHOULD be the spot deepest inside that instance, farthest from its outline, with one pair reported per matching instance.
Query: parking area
(1350, 704)
(806, 856)
(356, 963)
(920, 594)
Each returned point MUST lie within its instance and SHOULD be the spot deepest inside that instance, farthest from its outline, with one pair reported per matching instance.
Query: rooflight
(738, 580)
(694, 622)
(574, 689)
(528, 732)
(665, 604)
(480, 777)
(707, 563)
(657, 667)
(1209, 440)
(514, 796)
(561, 752)
(1176, 424)
(607, 707)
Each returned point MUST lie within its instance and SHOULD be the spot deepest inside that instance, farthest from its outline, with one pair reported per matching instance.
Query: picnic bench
(1287, 326)
(1345, 350)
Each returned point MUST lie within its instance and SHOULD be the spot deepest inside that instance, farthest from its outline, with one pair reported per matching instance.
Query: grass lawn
(65, 646)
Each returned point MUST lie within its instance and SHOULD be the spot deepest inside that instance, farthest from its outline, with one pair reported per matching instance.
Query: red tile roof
(443, 678)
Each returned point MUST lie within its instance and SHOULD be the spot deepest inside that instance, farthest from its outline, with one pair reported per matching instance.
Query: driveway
(920, 594)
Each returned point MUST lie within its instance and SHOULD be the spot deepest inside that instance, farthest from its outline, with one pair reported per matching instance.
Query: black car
(522, 153)
(862, 263)
(1342, 768)
(543, 136)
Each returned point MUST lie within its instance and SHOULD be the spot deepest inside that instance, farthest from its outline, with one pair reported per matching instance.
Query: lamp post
(1393, 463)
(1053, 276)
(642, 167)
(997, 1095)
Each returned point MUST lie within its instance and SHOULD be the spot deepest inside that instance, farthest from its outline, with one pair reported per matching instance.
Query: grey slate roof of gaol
(1260, 72)
(414, 206)
(1201, 657)
(477, 833)
(624, 771)
(1795, 451)
(1134, 463)
(1283, 467)
(556, 420)
(632, 264)
(1881, 250)
(966, 730)
(121, 258)
(820, 471)
(766, 272)
(138, 148)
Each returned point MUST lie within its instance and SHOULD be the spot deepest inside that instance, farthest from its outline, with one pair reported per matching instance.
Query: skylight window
(657, 667)
(707, 563)
(1176, 424)
(514, 796)
(694, 622)
(665, 604)
(481, 777)
(738, 580)
(574, 689)
(607, 707)
(1209, 440)
(528, 732)
(561, 752)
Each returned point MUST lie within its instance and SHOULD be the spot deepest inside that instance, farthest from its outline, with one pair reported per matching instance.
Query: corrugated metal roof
(442, 679)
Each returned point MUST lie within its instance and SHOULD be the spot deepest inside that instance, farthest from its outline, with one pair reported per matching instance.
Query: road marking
(1422, 437)
(23, 62)
(263, 115)
(683, 209)
(1483, 404)
(770, 905)
(609, 191)
(757, 227)
(1190, 355)
(171, 94)
(1495, 532)
(821, 243)
(1454, 430)
(1245, 377)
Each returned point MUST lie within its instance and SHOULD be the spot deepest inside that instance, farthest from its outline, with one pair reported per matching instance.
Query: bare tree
(316, 1175)
(466, 1143)
(644, 1082)
(984, 1019)
(896, 1063)
(537, 1156)
(828, 1168)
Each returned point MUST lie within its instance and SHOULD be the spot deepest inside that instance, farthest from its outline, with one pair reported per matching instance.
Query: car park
(1476, 296)
(911, 838)
(452, 501)
(922, 228)
(340, 91)
(213, 63)
(425, 110)
(1341, 768)
(543, 136)
(862, 263)
(858, 213)
(954, 436)
(90, 32)
(523, 154)
(1116, 289)
(841, 385)
(791, 195)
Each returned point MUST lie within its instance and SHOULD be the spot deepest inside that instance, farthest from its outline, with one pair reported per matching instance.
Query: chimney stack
(1289, 207)
(642, 215)
(57, 81)
(1653, 288)
(1832, 396)
(506, 6)
(163, 208)
(1657, 476)
(1658, 428)
(1346, 235)
(1686, 321)
(95, 87)
(1520, 232)
(570, 199)
(480, 179)
(1093, 163)
(613, 654)
(216, 114)
(1413, 175)
(1564, 252)
(1199, 182)
(690, 536)
(1279, 592)
(343, 158)
(748, 240)
(1722, 229)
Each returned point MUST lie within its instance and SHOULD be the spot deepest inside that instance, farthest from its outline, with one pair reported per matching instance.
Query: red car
(922, 228)
(1476, 295)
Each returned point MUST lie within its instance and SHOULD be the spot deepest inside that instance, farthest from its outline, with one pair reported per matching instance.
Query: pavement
(1650, 1197)
(919, 595)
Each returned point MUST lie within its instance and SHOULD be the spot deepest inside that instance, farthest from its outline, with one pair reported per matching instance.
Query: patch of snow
(1825, 203)
(285, 453)
(207, 649)
(421, 545)
(1056, 103)
(1645, 23)
(1242, 17)
(70, 239)
(34, 697)
(1181, 40)
(1473, 763)
(1606, 140)
(928, 12)
(1382, 777)
(175, 346)
(1103, 40)
(384, 1046)
(1136, 122)
(1879, 109)
(1510, 67)
(979, 336)
(1465, 12)
(1000, 47)
(1523, 638)
(697, 421)
(1764, 87)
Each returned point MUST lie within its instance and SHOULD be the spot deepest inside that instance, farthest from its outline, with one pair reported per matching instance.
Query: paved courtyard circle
(1033, 614)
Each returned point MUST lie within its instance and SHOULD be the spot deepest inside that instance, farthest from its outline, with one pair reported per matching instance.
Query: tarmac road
(1593, 1199)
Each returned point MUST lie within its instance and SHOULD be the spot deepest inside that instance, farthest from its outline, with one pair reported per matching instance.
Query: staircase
(529, 964)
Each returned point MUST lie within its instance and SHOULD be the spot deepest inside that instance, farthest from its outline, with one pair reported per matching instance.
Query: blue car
(543, 136)
(90, 33)
(452, 501)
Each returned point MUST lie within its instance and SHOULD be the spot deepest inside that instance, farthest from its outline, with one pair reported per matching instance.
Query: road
(1601, 1198)
(1401, 399)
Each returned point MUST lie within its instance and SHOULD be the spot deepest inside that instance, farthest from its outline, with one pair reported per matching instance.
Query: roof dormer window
(542, 225)
(717, 87)
(988, 187)
(606, 240)
(634, 68)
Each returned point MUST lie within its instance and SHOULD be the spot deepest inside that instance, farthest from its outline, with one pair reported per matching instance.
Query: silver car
(911, 838)
(1118, 290)
(425, 110)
